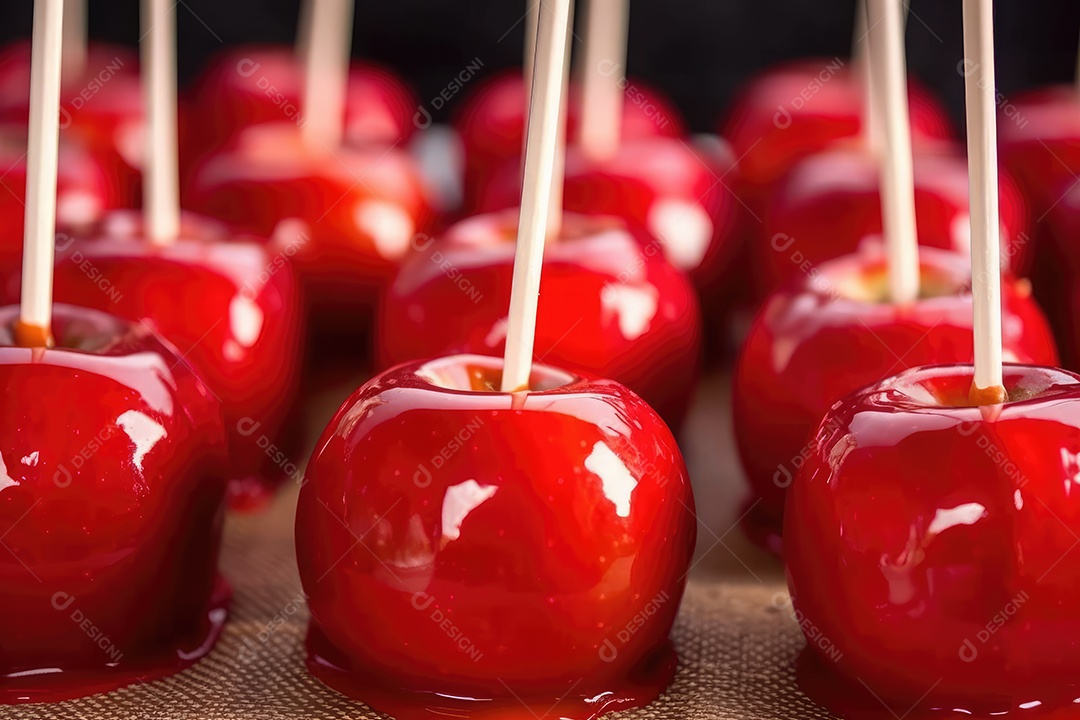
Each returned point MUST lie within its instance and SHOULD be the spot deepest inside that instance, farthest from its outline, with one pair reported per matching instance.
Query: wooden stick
(979, 89)
(303, 31)
(860, 61)
(542, 141)
(889, 86)
(558, 174)
(603, 75)
(326, 72)
(161, 181)
(35, 313)
(532, 15)
(75, 31)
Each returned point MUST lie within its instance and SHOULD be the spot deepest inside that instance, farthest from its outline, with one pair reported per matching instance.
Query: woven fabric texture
(736, 649)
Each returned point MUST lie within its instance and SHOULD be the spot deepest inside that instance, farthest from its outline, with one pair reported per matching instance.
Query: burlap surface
(736, 649)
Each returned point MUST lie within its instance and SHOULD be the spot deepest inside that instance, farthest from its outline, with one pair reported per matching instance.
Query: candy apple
(927, 548)
(831, 200)
(610, 304)
(791, 111)
(824, 335)
(474, 551)
(230, 306)
(83, 192)
(680, 194)
(362, 207)
(101, 106)
(1040, 145)
(260, 84)
(491, 125)
(1039, 139)
(111, 510)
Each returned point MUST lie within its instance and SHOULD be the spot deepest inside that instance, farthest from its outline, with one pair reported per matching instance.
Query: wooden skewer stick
(603, 74)
(889, 89)
(532, 15)
(74, 53)
(326, 71)
(979, 90)
(549, 80)
(161, 181)
(34, 327)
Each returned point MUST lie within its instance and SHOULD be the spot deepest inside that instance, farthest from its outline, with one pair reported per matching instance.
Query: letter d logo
(62, 600)
(422, 118)
(62, 477)
(247, 426)
(608, 651)
(782, 118)
(968, 651)
(782, 477)
(422, 476)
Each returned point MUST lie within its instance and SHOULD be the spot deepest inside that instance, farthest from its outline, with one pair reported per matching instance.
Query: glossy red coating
(353, 213)
(491, 125)
(232, 308)
(927, 548)
(822, 337)
(831, 201)
(101, 107)
(83, 193)
(798, 108)
(681, 194)
(609, 305)
(481, 554)
(263, 84)
(111, 510)
(1039, 141)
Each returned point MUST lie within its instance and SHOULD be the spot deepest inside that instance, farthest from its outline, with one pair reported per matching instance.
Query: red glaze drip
(100, 109)
(831, 201)
(927, 548)
(814, 342)
(611, 305)
(111, 510)
(492, 127)
(660, 183)
(232, 309)
(481, 583)
(349, 236)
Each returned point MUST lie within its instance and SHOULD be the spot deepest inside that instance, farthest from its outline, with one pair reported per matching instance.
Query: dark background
(698, 52)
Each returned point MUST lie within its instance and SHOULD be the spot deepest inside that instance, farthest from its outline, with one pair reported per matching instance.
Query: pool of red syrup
(574, 701)
(851, 700)
(48, 685)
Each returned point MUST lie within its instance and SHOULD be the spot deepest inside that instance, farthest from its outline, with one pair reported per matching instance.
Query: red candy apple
(799, 108)
(362, 207)
(111, 510)
(928, 546)
(1040, 145)
(230, 306)
(1039, 138)
(682, 195)
(610, 304)
(827, 334)
(253, 85)
(491, 125)
(830, 201)
(83, 193)
(101, 106)
(469, 551)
